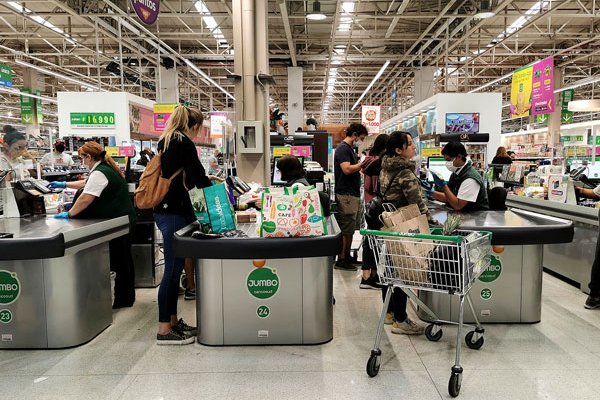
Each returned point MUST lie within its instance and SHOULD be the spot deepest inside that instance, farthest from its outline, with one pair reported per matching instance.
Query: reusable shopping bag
(292, 212)
(200, 209)
(220, 210)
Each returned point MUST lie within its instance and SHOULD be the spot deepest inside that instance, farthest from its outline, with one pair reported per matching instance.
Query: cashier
(465, 190)
(14, 148)
(593, 300)
(105, 195)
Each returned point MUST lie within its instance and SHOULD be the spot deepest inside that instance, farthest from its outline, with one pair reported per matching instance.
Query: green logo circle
(5, 316)
(263, 311)
(10, 288)
(262, 283)
(493, 271)
(486, 293)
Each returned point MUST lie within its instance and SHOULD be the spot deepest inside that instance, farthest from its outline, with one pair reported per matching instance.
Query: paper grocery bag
(409, 256)
(400, 215)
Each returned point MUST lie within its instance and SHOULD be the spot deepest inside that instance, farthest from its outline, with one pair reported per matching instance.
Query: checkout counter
(256, 291)
(54, 280)
(572, 260)
(510, 290)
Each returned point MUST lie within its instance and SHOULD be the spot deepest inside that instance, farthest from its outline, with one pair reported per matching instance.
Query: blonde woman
(177, 151)
(105, 195)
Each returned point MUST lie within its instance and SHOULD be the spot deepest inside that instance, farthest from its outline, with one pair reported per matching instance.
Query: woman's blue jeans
(169, 286)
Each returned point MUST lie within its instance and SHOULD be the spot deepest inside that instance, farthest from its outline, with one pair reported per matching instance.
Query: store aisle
(556, 359)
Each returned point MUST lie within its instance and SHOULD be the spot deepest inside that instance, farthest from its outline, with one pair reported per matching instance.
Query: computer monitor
(276, 174)
(438, 165)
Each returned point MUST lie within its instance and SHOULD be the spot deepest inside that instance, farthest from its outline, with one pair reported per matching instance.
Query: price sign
(93, 120)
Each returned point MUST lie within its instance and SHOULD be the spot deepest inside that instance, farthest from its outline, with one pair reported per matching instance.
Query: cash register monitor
(276, 173)
(438, 165)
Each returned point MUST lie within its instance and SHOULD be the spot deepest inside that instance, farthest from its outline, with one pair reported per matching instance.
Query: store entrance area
(557, 358)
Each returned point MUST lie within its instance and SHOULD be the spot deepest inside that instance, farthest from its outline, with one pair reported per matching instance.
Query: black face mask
(60, 148)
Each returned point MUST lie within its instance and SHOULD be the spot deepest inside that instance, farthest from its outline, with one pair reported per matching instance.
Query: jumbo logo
(10, 288)
(262, 282)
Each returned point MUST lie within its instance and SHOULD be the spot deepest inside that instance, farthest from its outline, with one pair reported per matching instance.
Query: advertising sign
(520, 92)
(26, 107)
(301, 151)
(93, 120)
(542, 95)
(371, 118)
(162, 113)
(462, 122)
(566, 116)
(141, 120)
(281, 151)
(5, 75)
(146, 10)
(217, 124)
(38, 107)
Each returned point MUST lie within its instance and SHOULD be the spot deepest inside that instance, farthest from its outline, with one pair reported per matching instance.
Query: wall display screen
(276, 173)
(462, 122)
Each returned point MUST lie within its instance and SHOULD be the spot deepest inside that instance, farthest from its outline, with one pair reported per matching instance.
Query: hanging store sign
(93, 120)
(217, 124)
(38, 107)
(520, 92)
(162, 113)
(566, 116)
(26, 107)
(5, 75)
(146, 10)
(371, 118)
(542, 95)
(281, 151)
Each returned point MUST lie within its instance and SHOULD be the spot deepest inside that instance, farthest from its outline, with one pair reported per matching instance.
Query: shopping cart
(436, 263)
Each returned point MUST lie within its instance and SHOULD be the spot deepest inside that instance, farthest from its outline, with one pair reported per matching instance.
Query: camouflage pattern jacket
(406, 188)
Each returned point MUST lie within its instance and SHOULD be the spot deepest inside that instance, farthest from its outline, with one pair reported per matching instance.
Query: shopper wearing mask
(465, 190)
(347, 190)
(593, 300)
(177, 151)
(57, 157)
(398, 174)
(105, 195)
(14, 147)
(371, 168)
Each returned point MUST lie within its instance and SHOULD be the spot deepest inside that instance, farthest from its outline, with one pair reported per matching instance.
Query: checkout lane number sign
(10, 287)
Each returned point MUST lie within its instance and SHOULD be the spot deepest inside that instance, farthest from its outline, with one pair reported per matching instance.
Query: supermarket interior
(299, 199)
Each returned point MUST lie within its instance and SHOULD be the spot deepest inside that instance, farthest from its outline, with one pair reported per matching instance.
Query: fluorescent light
(24, 10)
(208, 78)
(59, 75)
(209, 21)
(583, 82)
(584, 105)
(18, 93)
(348, 6)
(371, 84)
(316, 14)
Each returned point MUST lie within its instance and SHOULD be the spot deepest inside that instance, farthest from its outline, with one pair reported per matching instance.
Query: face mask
(60, 148)
(450, 166)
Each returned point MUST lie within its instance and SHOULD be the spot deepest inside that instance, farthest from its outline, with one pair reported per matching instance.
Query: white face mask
(450, 166)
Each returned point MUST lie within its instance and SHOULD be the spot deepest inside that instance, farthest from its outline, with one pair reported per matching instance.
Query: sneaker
(407, 327)
(592, 302)
(370, 283)
(344, 266)
(389, 318)
(190, 294)
(186, 329)
(181, 291)
(176, 338)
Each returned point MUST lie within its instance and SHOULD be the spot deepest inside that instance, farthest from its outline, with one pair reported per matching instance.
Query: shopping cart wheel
(433, 332)
(475, 345)
(454, 384)
(373, 366)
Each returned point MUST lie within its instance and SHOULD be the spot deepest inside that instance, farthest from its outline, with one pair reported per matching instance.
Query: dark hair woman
(292, 171)
(14, 147)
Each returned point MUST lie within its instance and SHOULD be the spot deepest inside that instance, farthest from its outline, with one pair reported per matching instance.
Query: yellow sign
(281, 151)
(431, 152)
(112, 151)
(520, 92)
(164, 108)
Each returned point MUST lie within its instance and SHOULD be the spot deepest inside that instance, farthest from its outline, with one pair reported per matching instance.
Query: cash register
(29, 195)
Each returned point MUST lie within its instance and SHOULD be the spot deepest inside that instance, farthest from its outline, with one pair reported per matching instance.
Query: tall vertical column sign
(26, 107)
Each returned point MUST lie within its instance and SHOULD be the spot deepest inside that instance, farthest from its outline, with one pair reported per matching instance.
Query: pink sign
(301, 151)
(542, 91)
(126, 151)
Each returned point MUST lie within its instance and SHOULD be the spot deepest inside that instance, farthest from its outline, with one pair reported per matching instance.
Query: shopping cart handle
(435, 235)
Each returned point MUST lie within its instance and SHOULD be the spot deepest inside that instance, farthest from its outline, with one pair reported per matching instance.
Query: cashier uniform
(467, 184)
(6, 164)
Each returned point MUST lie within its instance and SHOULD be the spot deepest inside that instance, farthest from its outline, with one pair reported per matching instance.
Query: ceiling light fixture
(59, 75)
(316, 14)
(584, 105)
(371, 84)
(485, 10)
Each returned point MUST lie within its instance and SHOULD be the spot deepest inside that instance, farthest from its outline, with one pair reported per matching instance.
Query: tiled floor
(558, 358)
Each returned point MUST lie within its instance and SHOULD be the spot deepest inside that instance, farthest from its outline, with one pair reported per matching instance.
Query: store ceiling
(345, 51)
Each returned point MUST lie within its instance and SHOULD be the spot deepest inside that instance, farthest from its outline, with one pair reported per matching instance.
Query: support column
(424, 83)
(295, 99)
(168, 83)
(554, 120)
(251, 58)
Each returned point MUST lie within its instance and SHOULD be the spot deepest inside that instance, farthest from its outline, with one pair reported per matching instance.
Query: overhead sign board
(5, 75)
(146, 10)
(93, 120)
(371, 118)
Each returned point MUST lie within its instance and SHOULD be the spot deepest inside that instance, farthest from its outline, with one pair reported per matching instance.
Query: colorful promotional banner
(431, 152)
(141, 120)
(542, 94)
(520, 92)
(162, 113)
(5, 75)
(217, 124)
(371, 118)
(281, 151)
(301, 151)
(26, 107)
(566, 116)
(146, 10)
(38, 108)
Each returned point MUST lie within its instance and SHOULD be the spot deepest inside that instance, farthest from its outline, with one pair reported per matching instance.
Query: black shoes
(592, 302)
(344, 266)
(371, 283)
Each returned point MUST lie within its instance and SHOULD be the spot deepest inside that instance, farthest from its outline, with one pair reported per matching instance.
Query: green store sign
(5, 76)
(26, 107)
(92, 120)
(10, 287)
(493, 272)
(571, 139)
(591, 140)
(263, 283)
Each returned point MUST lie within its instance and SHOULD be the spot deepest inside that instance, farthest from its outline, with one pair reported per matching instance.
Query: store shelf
(536, 158)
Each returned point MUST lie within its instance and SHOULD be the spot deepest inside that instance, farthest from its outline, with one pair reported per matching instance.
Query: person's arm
(439, 196)
(348, 168)
(76, 184)
(588, 193)
(81, 204)
(452, 200)
(195, 175)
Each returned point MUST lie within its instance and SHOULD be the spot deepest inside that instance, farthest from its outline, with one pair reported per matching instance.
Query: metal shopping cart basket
(436, 263)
